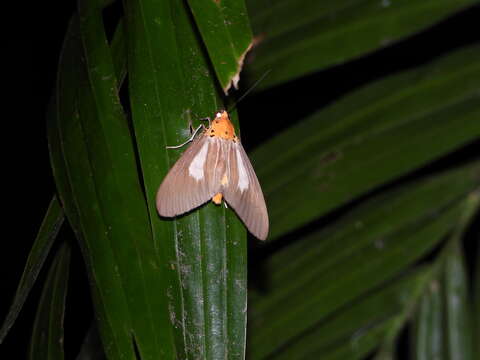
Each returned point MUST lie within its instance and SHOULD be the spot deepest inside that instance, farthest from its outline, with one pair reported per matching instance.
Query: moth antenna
(190, 139)
(249, 90)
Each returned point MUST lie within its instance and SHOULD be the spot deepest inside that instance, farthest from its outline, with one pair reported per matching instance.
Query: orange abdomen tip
(217, 198)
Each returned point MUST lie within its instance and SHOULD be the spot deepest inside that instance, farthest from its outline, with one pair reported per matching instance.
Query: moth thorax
(222, 127)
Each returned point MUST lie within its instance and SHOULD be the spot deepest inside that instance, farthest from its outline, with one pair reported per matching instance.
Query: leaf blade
(346, 326)
(47, 335)
(120, 197)
(296, 45)
(169, 87)
(428, 324)
(226, 32)
(51, 224)
(458, 325)
(420, 114)
(77, 182)
(313, 282)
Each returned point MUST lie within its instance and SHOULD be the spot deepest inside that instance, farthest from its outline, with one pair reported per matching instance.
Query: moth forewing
(190, 182)
(244, 194)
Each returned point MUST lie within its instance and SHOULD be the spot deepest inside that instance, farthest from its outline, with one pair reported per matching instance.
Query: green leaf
(372, 221)
(332, 157)
(476, 296)
(122, 211)
(119, 53)
(321, 273)
(46, 235)
(71, 169)
(458, 311)
(204, 252)
(428, 336)
(96, 175)
(92, 346)
(47, 336)
(226, 32)
(346, 327)
(443, 327)
(300, 37)
(362, 344)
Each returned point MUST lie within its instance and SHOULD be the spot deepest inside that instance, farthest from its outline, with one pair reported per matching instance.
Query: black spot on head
(226, 132)
(212, 135)
(216, 121)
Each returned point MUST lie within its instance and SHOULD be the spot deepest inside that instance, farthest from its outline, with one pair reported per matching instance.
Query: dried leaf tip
(236, 77)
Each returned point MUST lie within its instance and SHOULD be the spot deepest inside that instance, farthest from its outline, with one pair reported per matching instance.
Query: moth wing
(192, 180)
(243, 192)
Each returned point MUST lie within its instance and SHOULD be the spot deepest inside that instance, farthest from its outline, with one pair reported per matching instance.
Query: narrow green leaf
(443, 328)
(71, 185)
(203, 252)
(95, 197)
(271, 19)
(414, 117)
(119, 53)
(458, 310)
(47, 336)
(373, 221)
(476, 296)
(320, 273)
(345, 326)
(46, 235)
(74, 197)
(388, 352)
(225, 30)
(122, 208)
(92, 346)
(300, 37)
(63, 104)
(342, 283)
(361, 345)
(428, 336)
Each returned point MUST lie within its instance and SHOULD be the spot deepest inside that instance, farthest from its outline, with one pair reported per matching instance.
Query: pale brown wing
(194, 178)
(243, 192)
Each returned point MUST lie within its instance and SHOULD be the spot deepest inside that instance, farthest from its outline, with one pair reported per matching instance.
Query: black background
(27, 175)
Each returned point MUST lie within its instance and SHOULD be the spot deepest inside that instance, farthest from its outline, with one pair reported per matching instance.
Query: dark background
(33, 70)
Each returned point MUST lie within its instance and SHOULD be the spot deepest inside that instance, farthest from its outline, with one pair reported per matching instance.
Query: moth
(215, 166)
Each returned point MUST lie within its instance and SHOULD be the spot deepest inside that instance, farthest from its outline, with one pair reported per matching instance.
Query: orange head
(222, 127)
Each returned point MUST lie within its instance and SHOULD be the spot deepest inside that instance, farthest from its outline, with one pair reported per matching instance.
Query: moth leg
(225, 203)
(190, 139)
